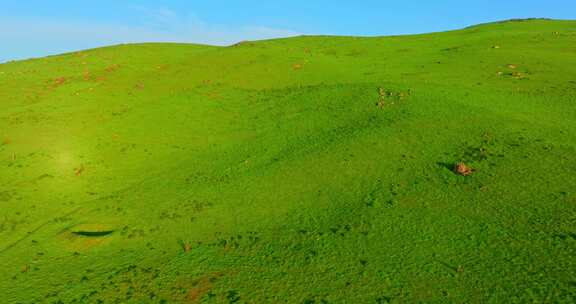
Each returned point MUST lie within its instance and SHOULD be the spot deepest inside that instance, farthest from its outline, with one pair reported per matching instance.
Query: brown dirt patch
(201, 287)
(462, 169)
(78, 171)
(112, 68)
(58, 82)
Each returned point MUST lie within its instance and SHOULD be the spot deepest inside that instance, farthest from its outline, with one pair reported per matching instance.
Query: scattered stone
(518, 75)
(386, 97)
(381, 92)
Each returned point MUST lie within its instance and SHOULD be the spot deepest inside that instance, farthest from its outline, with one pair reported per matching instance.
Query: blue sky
(34, 28)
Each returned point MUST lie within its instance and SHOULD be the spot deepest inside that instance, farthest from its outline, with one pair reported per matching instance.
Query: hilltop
(313, 169)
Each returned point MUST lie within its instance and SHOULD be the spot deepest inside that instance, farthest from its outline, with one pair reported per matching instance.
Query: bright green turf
(267, 173)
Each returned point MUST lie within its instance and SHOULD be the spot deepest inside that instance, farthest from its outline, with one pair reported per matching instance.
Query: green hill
(301, 170)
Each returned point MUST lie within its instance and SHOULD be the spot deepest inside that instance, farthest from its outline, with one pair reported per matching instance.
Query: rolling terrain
(314, 169)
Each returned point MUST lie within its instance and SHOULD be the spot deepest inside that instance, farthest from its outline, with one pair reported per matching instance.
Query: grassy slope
(265, 172)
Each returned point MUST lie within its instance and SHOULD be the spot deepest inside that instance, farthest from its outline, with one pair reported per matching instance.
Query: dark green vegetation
(303, 170)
